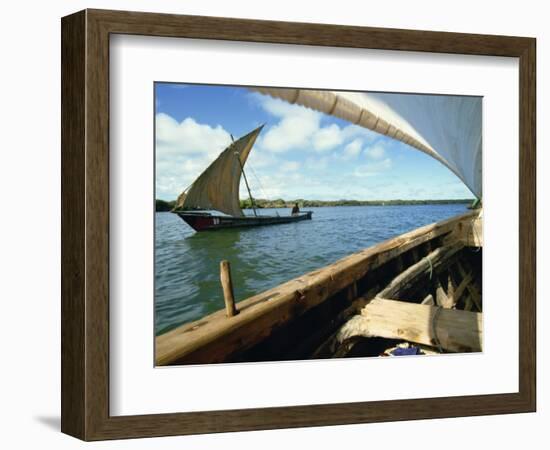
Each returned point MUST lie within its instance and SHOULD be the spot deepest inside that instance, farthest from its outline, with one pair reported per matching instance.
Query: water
(187, 281)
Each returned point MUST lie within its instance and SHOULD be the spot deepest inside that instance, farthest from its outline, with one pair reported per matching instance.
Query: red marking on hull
(199, 223)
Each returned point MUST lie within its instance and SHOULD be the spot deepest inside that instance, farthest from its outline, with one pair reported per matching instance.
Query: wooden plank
(470, 232)
(227, 287)
(474, 293)
(415, 254)
(473, 236)
(428, 300)
(461, 288)
(329, 346)
(450, 286)
(328, 332)
(453, 330)
(425, 267)
(441, 298)
(73, 226)
(352, 291)
(214, 338)
(399, 264)
(428, 246)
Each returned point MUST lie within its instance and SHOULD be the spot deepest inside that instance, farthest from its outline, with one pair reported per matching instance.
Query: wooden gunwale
(216, 337)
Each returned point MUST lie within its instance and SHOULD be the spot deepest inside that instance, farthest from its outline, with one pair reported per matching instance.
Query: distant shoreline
(163, 205)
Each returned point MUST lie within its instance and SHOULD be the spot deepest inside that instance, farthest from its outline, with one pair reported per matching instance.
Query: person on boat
(295, 209)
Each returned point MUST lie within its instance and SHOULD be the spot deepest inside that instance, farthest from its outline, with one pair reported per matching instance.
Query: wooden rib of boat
(421, 288)
(217, 188)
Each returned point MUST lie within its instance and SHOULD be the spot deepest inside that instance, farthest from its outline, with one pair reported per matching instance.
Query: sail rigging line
(246, 182)
(257, 179)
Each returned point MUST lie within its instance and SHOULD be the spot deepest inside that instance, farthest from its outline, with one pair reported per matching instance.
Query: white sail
(217, 188)
(448, 128)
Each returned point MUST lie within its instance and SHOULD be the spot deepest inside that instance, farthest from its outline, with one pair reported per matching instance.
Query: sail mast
(246, 182)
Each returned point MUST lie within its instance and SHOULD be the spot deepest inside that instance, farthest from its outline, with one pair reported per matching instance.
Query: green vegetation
(162, 205)
(476, 204)
(280, 203)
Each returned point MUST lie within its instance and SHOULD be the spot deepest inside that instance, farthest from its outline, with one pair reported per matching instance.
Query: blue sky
(300, 153)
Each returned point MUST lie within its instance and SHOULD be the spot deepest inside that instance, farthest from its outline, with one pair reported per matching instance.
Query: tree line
(302, 203)
(163, 205)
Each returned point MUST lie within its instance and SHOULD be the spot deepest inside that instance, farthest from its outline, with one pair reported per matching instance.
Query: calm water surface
(187, 281)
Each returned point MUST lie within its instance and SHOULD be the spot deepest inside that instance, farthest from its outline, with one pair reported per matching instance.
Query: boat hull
(411, 276)
(209, 222)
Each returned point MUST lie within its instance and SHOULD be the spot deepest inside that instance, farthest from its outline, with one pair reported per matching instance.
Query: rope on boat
(434, 331)
(257, 178)
(431, 267)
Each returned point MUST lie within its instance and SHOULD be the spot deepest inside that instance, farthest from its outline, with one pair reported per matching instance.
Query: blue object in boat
(399, 351)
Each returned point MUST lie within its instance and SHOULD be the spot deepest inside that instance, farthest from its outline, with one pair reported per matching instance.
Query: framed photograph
(271, 224)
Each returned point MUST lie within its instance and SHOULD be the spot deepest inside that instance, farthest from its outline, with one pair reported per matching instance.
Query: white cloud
(290, 166)
(354, 131)
(262, 159)
(373, 169)
(316, 163)
(267, 191)
(299, 128)
(295, 129)
(376, 152)
(290, 133)
(280, 108)
(188, 136)
(183, 150)
(327, 138)
(353, 149)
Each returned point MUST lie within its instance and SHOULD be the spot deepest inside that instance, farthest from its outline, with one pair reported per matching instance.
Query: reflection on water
(187, 283)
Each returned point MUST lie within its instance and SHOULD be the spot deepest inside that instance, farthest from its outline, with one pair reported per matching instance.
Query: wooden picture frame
(85, 224)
